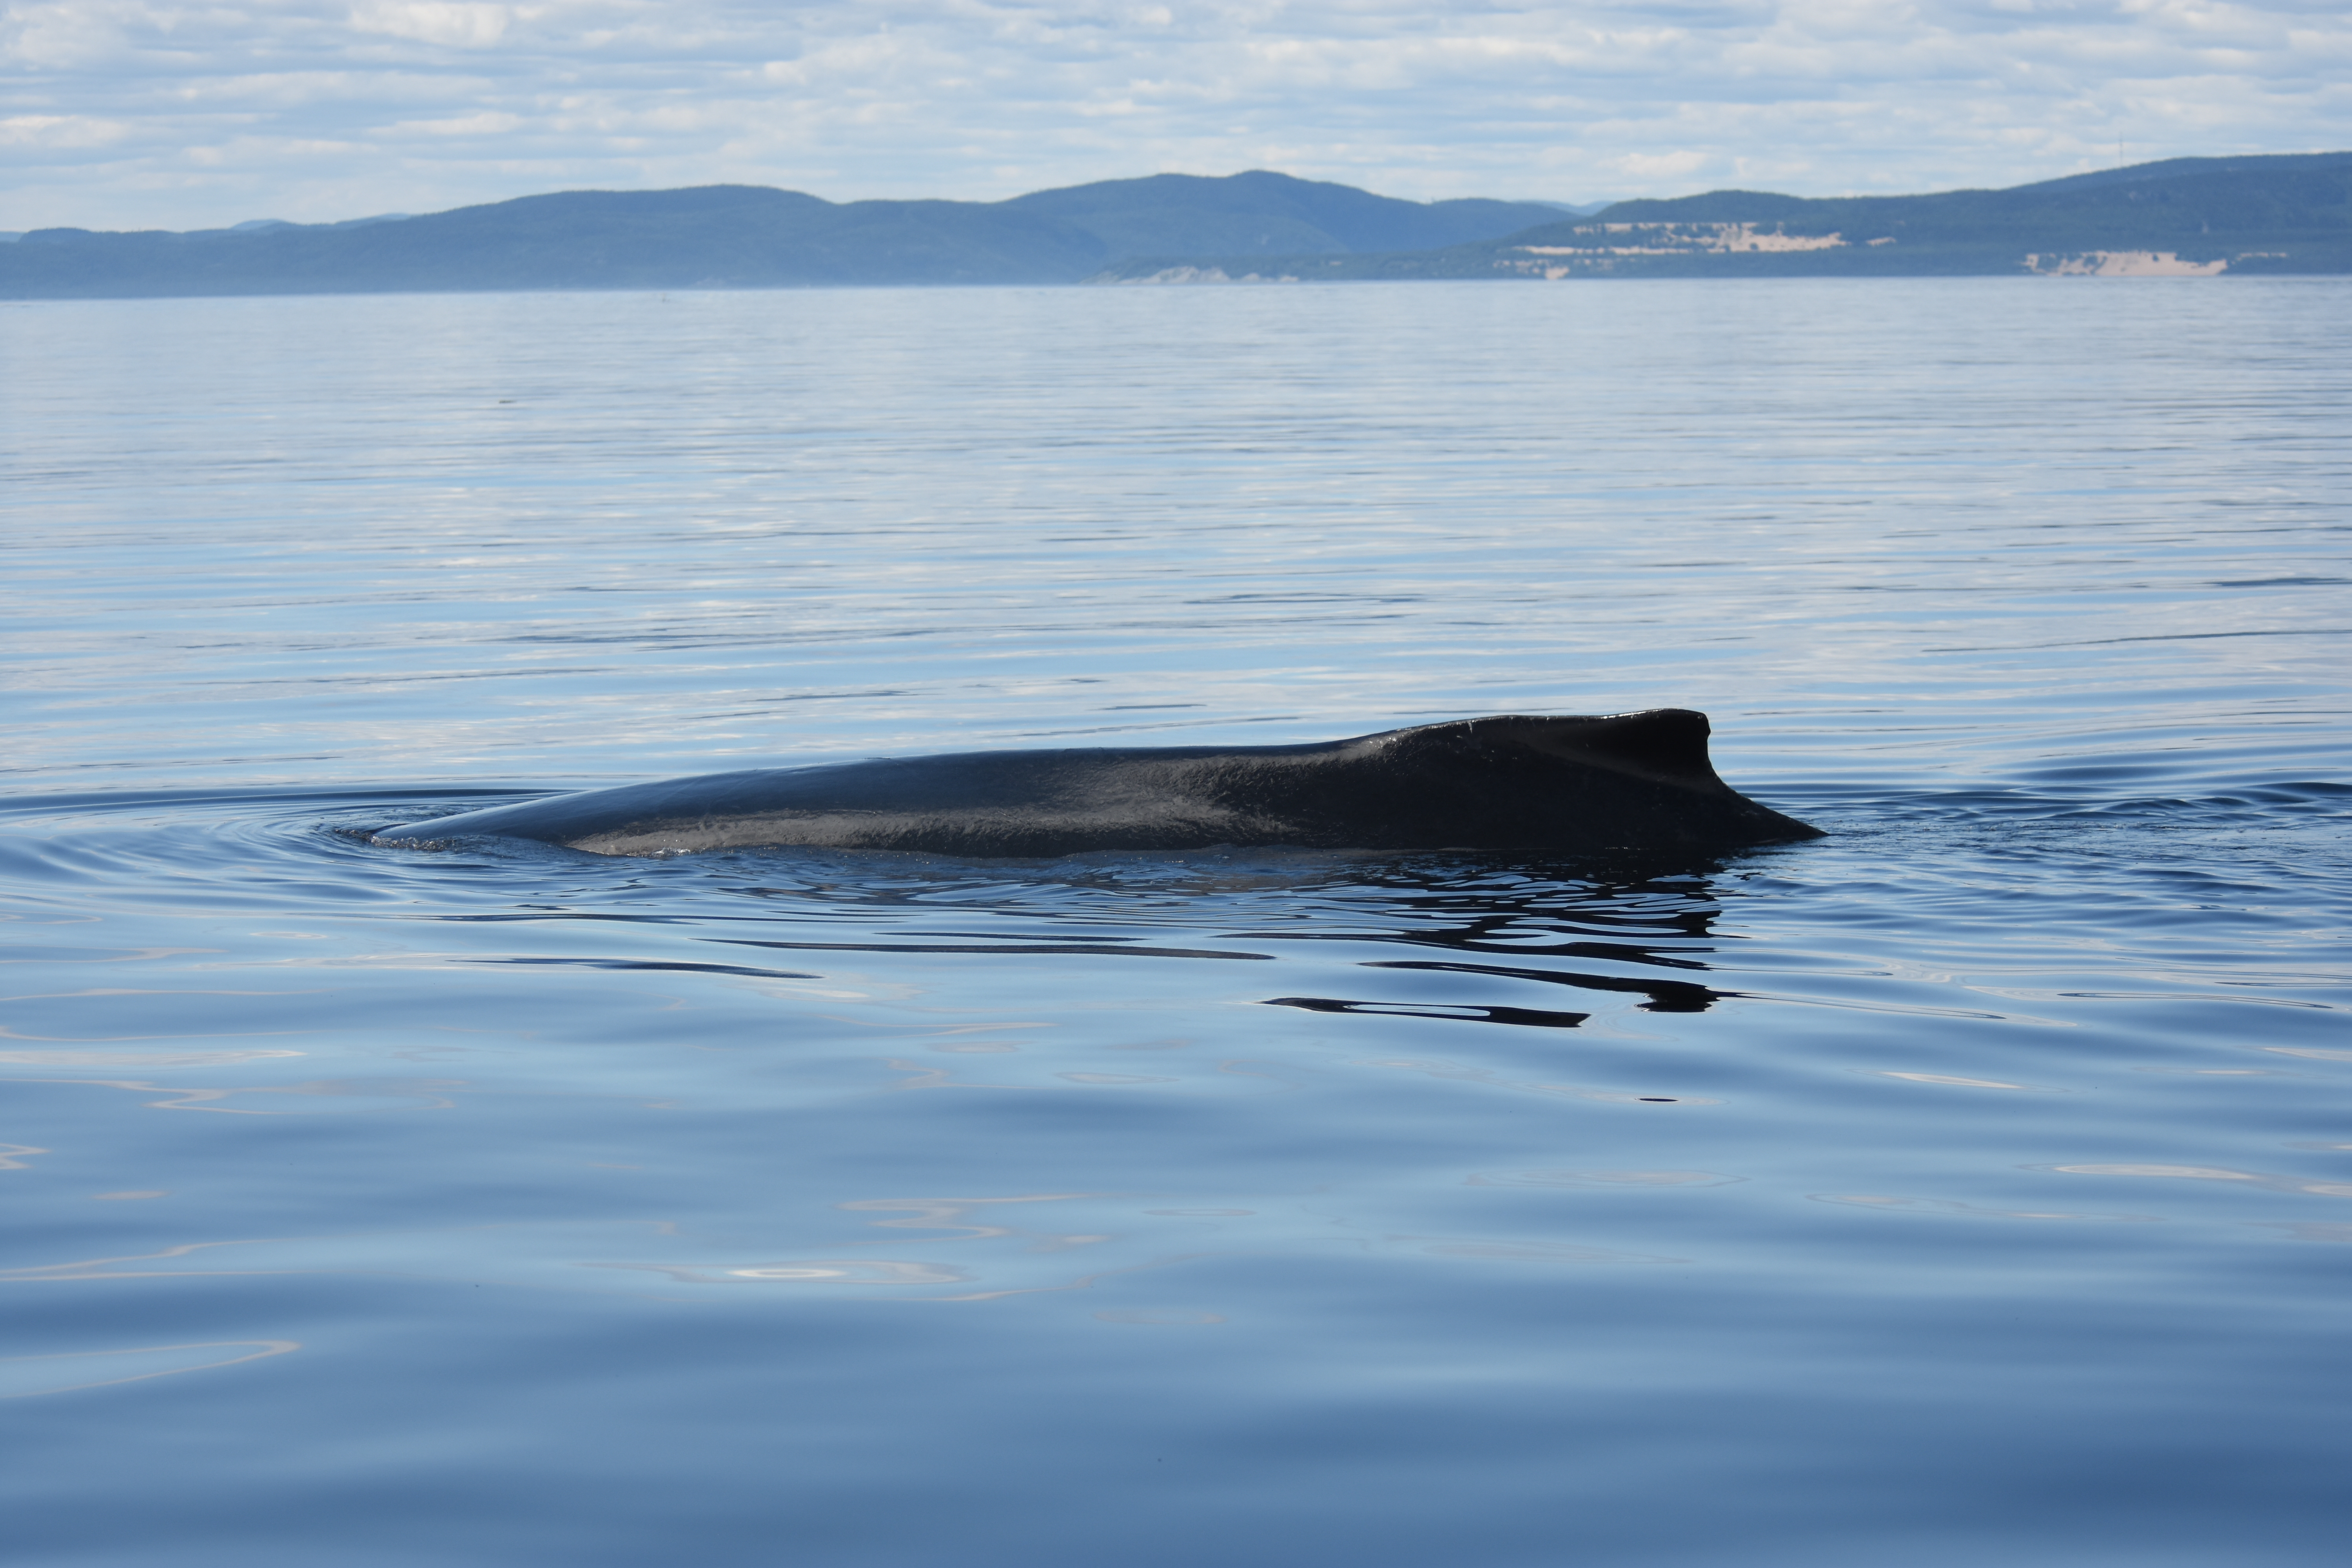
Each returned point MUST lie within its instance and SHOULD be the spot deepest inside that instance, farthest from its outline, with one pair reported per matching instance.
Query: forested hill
(753, 236)
(2183, 217)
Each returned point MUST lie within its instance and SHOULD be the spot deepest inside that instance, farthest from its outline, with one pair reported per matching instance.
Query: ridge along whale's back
(1618, 781)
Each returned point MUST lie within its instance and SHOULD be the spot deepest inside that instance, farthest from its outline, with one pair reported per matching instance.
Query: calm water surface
(1973, 1185)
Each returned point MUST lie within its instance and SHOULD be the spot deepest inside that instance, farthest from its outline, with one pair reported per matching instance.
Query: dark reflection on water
(1063, 950)
(1664, 995)
(672, 965)
(1467, 1012)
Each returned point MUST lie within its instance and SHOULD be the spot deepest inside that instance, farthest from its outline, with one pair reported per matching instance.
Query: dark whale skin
(1619, 781)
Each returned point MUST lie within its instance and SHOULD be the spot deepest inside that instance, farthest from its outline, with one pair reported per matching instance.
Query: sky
(164, 114)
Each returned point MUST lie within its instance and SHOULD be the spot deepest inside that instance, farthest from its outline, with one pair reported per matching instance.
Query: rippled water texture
(1972, 1187)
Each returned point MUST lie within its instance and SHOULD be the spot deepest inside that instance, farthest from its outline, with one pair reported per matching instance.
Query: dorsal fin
(1665, 746)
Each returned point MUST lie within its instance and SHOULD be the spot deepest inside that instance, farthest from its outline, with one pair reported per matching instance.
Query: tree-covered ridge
(2186, 217)
(2190, 216)
(752, 237)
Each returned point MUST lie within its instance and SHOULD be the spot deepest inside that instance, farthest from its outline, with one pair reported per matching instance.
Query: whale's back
(1633, 781)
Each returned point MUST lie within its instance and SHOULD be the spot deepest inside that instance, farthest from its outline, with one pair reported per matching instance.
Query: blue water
(1973, 1185)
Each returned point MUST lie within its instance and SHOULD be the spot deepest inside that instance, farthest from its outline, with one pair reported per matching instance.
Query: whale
(1640, 782)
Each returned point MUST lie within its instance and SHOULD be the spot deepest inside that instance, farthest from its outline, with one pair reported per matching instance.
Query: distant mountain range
(749, 236)
(2186, 217)
(2183, 217)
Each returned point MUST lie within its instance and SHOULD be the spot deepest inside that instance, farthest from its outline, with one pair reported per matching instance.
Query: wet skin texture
(1623, 782)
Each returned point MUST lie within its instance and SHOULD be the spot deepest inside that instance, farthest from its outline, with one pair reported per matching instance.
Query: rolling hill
(2182, 217)
(750, 237)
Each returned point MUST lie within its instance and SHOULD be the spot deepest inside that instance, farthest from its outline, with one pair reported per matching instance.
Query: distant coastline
(2185, 218)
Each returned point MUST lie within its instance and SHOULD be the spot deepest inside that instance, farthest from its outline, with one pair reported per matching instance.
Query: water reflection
(1453, 1011)
(1104, 948)
(1587, 926)
(2211, 1173)
(1464, 1074)
(1603, 1179)
(317, 1097)
(948, 1214)
(137, 1058)
(813, 1271)
(1947, 1205)
(1898, 560)
(2338, 1234)
(1520, 1251)
(1664, 995)
(21, 1377)
(1951, 1080)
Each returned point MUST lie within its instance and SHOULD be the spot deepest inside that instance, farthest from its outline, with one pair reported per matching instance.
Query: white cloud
(488, 122)
(434, 21)
(58, 131)
(136, 113)
(1652, 167)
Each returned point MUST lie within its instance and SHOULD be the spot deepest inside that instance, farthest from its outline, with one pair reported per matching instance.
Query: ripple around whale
(1630, 781)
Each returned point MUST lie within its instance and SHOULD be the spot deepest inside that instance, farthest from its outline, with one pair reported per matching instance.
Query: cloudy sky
(180, 114)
